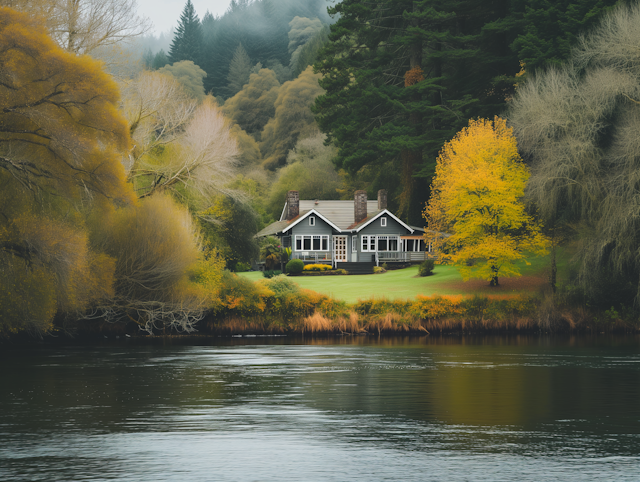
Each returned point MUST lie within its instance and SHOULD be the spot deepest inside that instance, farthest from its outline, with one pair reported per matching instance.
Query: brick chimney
(293, 205)
(360, 205)
(382, 199)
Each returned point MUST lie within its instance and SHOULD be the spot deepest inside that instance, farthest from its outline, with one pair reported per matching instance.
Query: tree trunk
(411, 158)
(494, 279)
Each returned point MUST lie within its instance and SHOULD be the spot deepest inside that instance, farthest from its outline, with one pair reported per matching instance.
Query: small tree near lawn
(477, 198)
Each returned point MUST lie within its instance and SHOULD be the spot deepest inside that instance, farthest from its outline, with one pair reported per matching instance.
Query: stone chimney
(360, 205)
(382, 199)
(293, 205)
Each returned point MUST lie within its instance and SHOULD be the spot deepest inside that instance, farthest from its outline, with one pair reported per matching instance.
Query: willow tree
(577, 128)
(61, 143)
(477, 199)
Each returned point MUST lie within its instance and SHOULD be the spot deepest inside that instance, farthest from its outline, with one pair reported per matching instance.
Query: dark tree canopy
(402, 76)
(187, 43)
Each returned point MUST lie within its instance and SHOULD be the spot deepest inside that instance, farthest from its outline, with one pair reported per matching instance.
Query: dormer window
(383, 222)
(312, 221)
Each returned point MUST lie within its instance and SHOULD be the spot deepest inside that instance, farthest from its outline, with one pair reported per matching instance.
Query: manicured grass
(405, 283)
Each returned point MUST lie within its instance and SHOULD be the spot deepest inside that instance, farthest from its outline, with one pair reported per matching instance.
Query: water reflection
(352, 408)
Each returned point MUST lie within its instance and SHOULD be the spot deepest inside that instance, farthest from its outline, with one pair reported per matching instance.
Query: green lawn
(405, 283)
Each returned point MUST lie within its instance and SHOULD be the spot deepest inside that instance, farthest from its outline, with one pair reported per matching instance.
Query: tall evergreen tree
(239, 71)
(401, 77)
(187, 41)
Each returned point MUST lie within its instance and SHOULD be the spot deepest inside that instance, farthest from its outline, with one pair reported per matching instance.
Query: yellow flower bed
(317, 267)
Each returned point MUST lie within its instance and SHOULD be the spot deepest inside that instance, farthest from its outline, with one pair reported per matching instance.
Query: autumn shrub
(437, 306)
(295, 266)
(426, 267)
(238, 296)
(281, 284)
(378, 269)
(508, 309)
(317, 267)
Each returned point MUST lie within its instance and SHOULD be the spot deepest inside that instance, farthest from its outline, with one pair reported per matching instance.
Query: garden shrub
(270, 273)
(317, 267)
(379, 269)
(295, 266)
(426, 267)
(242, 267)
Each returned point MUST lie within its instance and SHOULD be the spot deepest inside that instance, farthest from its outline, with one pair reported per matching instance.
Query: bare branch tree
(82, 26)
(578, 127)
(201, 150)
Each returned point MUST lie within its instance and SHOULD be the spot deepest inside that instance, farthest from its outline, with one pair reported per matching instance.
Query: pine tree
(401, 77)
(187, 42)
(239, 70)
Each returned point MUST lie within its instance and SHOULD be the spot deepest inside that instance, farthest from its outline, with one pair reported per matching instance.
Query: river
(338, 409)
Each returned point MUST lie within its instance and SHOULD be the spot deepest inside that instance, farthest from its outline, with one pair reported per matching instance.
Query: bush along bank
(278, 306)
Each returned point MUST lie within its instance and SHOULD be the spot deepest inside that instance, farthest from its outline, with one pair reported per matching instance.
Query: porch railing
(316, 257)
(402, 256)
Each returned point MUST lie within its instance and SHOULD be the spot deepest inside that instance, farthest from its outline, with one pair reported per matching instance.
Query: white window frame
(354, 244)
(368, 240)
(301, 238)
(312, 220)
(383, 222)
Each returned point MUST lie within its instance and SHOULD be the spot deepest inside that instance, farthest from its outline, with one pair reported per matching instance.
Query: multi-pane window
(312, 243)
(380, 243)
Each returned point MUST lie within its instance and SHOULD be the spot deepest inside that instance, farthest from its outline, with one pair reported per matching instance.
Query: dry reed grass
(242, 326)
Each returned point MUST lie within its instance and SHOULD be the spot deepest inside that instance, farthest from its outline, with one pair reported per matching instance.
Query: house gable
(373, 225)
(301, 222)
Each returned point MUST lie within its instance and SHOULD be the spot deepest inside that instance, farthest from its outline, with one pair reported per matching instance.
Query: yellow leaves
(59, 123)
(476, 197)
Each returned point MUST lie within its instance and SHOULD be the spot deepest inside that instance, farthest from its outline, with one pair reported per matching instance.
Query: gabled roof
(368, 220)
(341, 213)
(283, 226)
(276, 228)
(296, 220)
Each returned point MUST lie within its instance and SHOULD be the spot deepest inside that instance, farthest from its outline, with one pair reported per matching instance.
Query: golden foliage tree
(61, 141)
(477, 198)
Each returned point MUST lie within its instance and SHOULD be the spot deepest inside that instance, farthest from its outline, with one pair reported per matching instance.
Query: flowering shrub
(317, 267)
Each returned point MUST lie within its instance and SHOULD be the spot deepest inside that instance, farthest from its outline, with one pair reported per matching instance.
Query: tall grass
(279, 305)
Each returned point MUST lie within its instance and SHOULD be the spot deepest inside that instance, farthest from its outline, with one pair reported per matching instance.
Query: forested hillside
(129, 183)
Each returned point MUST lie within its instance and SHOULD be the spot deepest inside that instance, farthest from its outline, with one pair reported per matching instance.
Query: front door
(340, 249)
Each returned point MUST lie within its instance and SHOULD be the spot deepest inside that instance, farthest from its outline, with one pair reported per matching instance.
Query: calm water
(353, 409)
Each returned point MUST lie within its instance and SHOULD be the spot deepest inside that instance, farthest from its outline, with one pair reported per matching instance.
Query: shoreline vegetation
(247, 305)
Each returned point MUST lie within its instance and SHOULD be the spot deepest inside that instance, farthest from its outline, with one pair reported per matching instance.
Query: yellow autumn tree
(477, 199)
(61, 145)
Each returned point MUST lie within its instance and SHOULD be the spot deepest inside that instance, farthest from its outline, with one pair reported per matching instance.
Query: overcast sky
(165, 13)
